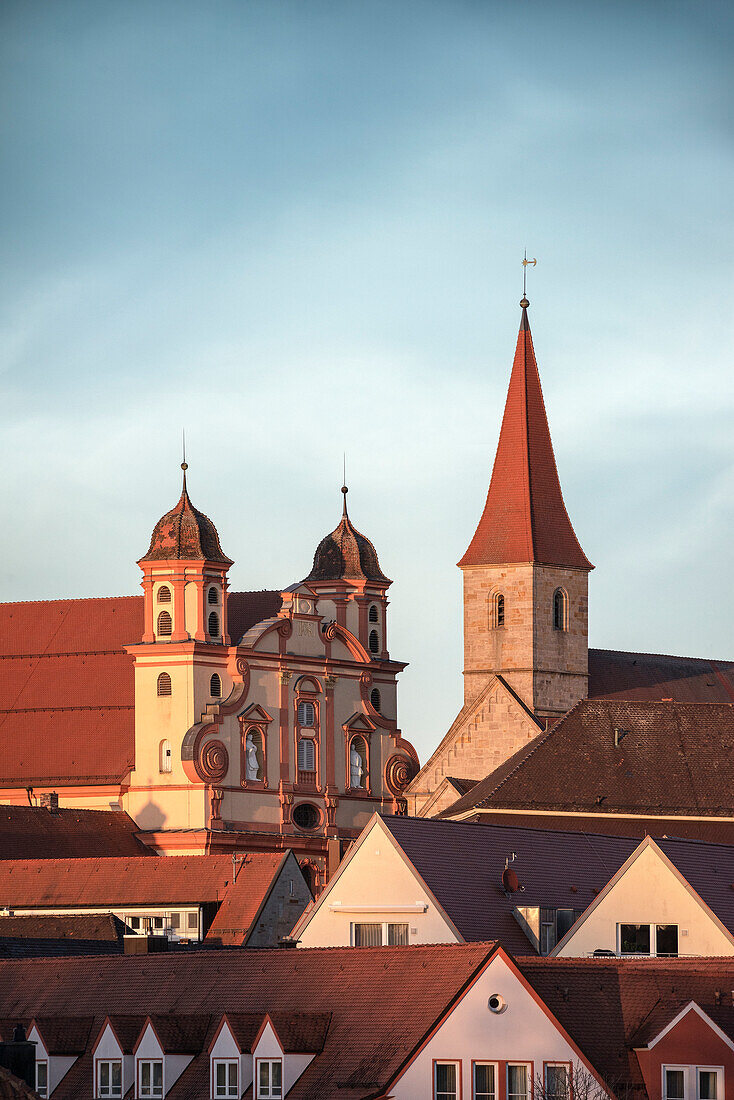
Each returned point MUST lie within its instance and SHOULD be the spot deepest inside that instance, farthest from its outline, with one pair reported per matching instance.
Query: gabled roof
(244, 901)
(68, 1034)
(524, 518)
(12, 1088)
(67, 693)
(87, 934)
(672, 759)
(33, 832)
(180, 1033)
(655, 676)
(300, 1032)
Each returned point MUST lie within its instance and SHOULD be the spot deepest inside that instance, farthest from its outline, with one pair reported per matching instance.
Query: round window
(306, 816)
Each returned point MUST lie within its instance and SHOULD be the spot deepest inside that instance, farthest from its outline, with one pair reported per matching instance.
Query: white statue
(355, 768)
(252, 764)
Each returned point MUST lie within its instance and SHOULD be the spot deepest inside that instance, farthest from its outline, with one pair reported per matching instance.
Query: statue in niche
(356, 769)
(252, 764)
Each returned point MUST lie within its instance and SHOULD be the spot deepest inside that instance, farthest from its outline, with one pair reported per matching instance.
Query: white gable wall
(173, 1064)
(648, 892)
(378, 878)
(226, 1047)
(521, 1033)
(108, 1049)
(293, 1064)
(58, 1065)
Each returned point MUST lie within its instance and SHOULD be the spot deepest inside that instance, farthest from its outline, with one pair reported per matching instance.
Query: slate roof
(84, 934)
(524, 518)
(673, 759)
(67, 694)
(653, 676)
(462, 865)
(32, 832)
(346, 554)
(711, 830)
(185, 533)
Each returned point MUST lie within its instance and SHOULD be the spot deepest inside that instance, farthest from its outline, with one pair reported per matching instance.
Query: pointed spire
(524, 518)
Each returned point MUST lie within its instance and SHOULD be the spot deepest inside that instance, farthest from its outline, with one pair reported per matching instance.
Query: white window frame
(556, 1065)
(226, 1094)
(482, 1062)
(653, 926)
(42, 1090)
(719, 1071)
(685, 1070)
(98, 1063)
(269, 1095)
(384, 934)
(447, 1062)
(529, 1067)
(140, 1062)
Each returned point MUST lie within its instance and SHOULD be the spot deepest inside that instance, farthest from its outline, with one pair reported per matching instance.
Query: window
(557, 1079)
(706, 1084)
(445, 1080)
(109, 1078)
(226, 1078)
(484, 1081)
(378, 935)
(213, 596)
(374, 615)
(306, 816)
(375, 698)
(150, 1078)
(165, 625)
(358, 771)
(374, 642)
(648, 939)
(165, 761)
(498, 610)
(675, 1084)
(164, 594)
(192, 921)
(306, 755)
(517, 1082)
(306, 714)
(164, 684)
(214, 625)
(42, 1078)
(560, 606)
(269, 1078)
(215, 686)
(175, 921)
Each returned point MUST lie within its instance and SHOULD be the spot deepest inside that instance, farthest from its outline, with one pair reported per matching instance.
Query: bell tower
(525, 574)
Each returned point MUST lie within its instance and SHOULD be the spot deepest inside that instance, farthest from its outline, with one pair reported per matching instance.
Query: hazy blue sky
(297, 228)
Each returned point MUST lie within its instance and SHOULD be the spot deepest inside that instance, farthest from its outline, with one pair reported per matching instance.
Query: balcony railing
(306, 778)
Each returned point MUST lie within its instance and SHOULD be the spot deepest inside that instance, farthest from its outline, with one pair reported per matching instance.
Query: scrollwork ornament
(214, 761)
(285, 628)
(399, 771)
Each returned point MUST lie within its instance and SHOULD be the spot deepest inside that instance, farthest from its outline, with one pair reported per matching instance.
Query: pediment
(256, 713)
(359, 722)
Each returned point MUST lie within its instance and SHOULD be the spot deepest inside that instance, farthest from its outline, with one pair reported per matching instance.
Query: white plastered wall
(173, 1064)
(377, 875)
(293, 1064)
(226, 1047)
(648, 892)
(108, 1049)
(58, 1064)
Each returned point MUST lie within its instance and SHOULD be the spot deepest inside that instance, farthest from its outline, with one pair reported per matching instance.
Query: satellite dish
(510, 881)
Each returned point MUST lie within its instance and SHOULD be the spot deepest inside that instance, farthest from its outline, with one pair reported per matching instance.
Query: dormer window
(150, 1078)
(214, 625)
(215, 686)
(163, 684)
(42, 1078)
(269, 1078)
(165, 625)
(226, 1076)
(213, 595)
(374, 642)
(109, 1078)
(164, 594)
(374, 615)
(560, 610)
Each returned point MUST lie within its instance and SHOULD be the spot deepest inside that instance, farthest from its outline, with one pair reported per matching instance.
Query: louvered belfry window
(213, 596)
(164, 684)
(375, 698)
(165, 624)
(374, 614)
(214, 625)
(215, 686)
(164, 594)
(374, 642)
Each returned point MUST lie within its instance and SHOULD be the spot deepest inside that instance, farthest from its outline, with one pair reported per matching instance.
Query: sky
(295, 229)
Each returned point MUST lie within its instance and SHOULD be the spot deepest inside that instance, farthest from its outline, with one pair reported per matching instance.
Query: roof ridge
(672, 656)
(66, 599)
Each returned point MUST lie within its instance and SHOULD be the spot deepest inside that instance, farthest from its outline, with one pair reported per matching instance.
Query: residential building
(253, 899)
(49, 832)
(439, 1021)
(420, 880)
(90, 934)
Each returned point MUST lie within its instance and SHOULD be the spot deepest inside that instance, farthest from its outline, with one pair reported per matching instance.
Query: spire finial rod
(344, 482)
(525, 264)
(184, 464)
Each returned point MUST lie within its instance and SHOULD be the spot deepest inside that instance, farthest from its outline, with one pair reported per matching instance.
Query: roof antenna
(184, 464)
(344, 482)
(525, 264)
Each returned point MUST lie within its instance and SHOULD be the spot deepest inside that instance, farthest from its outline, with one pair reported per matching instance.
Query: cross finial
(525, 264)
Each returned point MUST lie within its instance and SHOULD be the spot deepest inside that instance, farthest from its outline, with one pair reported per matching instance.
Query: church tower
(525, 574)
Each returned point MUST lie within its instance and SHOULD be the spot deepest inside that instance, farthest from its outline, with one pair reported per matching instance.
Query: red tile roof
(242, 902)
(32, 832)
(67, 693)
(673, 759)
(148, 880)
(184, 532)
(524, 518)
(652, 676)
(86, 934)
(12, 1088)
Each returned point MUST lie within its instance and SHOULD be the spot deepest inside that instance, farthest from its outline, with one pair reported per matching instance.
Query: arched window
(374, 615)
(358, 764)
(165, 625)
(213, 595)
(164, 594)
(214, 625)
(560, 610)
(375, 698)
(254, 756)
(497, 611)
(374, 642)
(307, 870)
(163, 686)
(306, 714)
(215, 686)
(306, 755)
(165, 759)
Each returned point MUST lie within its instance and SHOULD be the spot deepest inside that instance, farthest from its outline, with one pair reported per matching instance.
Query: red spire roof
(184, 532)
(525, 519)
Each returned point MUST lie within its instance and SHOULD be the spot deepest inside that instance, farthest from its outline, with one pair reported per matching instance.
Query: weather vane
(525, 263)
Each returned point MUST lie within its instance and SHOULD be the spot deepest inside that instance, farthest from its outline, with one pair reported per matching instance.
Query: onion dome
(346, 554)
(186, 533)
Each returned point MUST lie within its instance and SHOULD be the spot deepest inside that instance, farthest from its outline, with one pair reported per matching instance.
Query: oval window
(306, 816)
